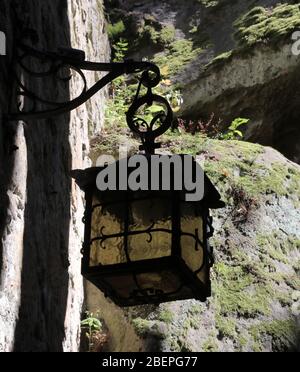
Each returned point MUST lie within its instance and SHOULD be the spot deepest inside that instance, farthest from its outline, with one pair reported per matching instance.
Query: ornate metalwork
(67, 59)
(62, 65)
(138, 257)
(159, 124)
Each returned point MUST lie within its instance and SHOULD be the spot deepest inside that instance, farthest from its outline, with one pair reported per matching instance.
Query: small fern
(91, 325)
(234, 132)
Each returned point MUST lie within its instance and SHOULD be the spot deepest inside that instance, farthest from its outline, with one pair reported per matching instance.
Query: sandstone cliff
(41, 289)
(217, 56)
(233, 59)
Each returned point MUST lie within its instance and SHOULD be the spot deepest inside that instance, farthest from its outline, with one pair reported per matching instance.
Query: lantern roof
(86, 180)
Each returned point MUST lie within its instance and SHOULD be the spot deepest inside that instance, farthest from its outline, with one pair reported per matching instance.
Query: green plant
(120, 49)
(282, 332)
(166, 316)
(116, 106)
(210, 345)
(234, 132)
(141, 326)
(116, 30)
(91, 325)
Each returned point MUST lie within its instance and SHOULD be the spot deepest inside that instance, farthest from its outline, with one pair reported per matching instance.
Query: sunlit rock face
(41, 289)
(226, 59)
(261, 86)
(255, 280)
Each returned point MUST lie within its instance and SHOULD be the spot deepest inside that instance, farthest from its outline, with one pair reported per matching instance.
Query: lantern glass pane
(153, 216)
(106, 223)
(192, 239)
(131, 231)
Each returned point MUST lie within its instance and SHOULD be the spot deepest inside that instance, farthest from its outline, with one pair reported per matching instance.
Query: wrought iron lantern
(148, 245)
(141, 245)
(144, 247)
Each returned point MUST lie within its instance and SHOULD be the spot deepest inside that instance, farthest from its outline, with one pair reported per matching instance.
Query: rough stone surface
(261, 86)
(255, 299)
(41, 290)
(219, 74)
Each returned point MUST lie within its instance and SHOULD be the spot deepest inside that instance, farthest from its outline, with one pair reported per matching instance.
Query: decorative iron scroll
(159, 124)
(62, 65)
(69, 60)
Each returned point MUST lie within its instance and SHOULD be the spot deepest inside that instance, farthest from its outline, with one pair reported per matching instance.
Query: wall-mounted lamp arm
(70, 59)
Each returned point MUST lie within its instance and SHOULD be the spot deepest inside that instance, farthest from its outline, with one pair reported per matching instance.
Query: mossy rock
(255, 276)
(267, 24)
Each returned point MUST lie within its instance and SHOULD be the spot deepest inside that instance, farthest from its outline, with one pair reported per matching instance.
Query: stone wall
(41, 291)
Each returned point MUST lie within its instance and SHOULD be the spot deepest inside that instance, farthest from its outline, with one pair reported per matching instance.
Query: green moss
(226, 326)
(174, 345)
(282, 332)
(242, 342)
(271, 245)
(254, 178)
(296, 265)
(167, 35)
(196, 309)
(260, 25)
(185, 143)
(166, 316)
(192, 322)
(221, 58)
(210, 345)
(239, 165)
(141, 326)
(177, 55)
(265, 24)
(236, 292)
(284, 298)
(292, 281)
(278, 248)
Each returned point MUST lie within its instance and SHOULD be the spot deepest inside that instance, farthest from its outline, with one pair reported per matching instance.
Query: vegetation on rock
(267, 24)
(256, 277)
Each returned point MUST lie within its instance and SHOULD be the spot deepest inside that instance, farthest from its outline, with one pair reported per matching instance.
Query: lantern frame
(174, 263)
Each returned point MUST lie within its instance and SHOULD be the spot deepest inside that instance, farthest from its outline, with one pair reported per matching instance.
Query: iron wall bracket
(58, 66)
(67, 59)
